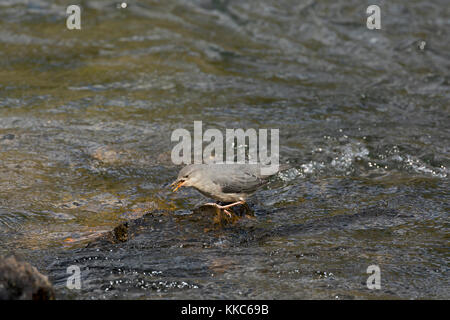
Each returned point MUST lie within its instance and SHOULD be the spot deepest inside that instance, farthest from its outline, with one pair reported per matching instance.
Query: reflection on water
(86, 118)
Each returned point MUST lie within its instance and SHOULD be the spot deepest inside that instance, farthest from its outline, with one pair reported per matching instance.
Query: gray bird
(224, 182)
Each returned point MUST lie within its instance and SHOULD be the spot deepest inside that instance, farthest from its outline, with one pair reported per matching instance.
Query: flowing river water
(86, 118)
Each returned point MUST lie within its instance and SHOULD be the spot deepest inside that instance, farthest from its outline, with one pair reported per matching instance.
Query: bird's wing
(239, 182)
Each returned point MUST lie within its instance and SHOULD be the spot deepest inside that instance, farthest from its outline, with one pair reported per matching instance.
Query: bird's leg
(224, 208)
(218, 206)
(232, 204)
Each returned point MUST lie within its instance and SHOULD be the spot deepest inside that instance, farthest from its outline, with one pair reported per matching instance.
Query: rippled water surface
(85, 123)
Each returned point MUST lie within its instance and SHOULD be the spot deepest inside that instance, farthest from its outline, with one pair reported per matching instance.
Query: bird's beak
(177, 185)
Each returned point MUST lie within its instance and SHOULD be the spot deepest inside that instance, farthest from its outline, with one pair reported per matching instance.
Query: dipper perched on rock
(224, 182)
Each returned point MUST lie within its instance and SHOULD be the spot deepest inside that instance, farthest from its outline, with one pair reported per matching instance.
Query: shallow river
(86, 118)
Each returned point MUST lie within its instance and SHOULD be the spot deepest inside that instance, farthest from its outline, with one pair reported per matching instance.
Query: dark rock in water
(127, 231)
(121, 233)
(117, 235)
(8, 136)
(165, 229)
(19, 280)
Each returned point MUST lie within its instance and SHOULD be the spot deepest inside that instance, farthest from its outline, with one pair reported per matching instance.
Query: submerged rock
(8, 136)
(211, 219)
(117, 235)
(19, 280)
(163, 228)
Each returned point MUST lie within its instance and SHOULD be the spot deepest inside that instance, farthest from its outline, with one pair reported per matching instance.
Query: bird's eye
(186, 176)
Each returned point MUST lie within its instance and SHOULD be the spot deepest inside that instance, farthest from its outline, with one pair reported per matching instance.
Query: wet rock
(219, 218)
(205, 218)
(126, 230)
(19, 280)
(164, 227)
(203, 228)
(120, 232)
(8, 136)
(117, 235)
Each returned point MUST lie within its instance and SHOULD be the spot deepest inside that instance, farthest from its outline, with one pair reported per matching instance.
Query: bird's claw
(228, 213)
(223, 208)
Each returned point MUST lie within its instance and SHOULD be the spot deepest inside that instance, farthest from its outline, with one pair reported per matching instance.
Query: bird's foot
(223, 208)
(229, 214)
(218, 206)
(212, 204)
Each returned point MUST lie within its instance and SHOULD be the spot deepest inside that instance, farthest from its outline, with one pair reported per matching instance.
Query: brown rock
(19, 280)
(117, 235)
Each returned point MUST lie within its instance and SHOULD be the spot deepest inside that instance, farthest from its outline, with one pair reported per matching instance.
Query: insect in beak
(177, 185)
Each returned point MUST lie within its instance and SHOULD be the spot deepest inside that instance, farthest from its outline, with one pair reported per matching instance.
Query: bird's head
(188, 177)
